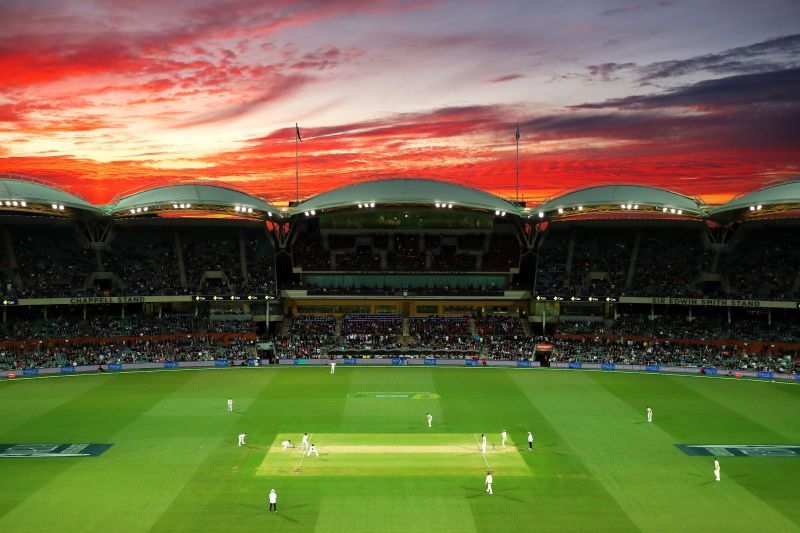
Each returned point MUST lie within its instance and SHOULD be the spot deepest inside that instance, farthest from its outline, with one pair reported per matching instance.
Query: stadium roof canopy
(769, 202)
(28, 195)
(192, 198)
(405, 192)
(619, 199)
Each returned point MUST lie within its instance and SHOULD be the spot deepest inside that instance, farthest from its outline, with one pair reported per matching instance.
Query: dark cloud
(776, 88)
(505, 77)
(607, 71)
(765, 56)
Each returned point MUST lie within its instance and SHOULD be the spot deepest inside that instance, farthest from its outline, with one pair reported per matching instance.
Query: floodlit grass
(597, 464)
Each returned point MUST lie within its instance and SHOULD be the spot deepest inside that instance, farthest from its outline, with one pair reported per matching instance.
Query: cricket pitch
(386, 454)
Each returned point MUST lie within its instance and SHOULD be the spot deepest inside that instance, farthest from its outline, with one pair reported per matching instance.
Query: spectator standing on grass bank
(489, 480)
(230, 405)
(273, 501)
(530, 441)
(649, 414)
(430, 419)
(241, 439)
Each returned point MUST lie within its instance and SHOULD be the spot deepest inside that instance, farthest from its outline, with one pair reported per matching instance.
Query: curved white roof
(603, 195)
(15, 187)
(198, 196)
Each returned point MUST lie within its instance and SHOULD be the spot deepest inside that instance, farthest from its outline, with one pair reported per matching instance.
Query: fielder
(287, 444)
(230, 405)
(313, 449)
(489, 483)
(304, 442)
(241, 439)
(430, 419)
(530, 441)
(504, 436)
(333, 366)
(273, 501)
(649, 414)
(483, 442)
(716, 469)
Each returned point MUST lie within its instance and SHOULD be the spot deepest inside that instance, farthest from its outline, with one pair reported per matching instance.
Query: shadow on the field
(544, 450)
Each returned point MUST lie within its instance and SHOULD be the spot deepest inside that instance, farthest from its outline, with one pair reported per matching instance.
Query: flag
(517, 131)
(297, 131)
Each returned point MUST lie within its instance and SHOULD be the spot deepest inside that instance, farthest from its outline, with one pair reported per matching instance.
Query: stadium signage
(708, 302)
(108, 300)
(741, 450)
(52, 450)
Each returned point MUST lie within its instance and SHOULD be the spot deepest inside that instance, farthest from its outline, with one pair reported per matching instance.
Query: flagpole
(517, 166)
(296, 168)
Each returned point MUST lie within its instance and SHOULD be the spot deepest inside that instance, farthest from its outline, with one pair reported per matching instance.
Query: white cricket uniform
(649, 415)
(304, 443)
(333, 367)
(312, 449)
(504, 436)
(230, 405)
(483, 444)
(273, 500)
(489, 480)
(530, 441)
(286, 444)
(430, 420)
(716, 469)
(241, 438)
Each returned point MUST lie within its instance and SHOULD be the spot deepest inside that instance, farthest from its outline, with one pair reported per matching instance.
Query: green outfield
(174, 465)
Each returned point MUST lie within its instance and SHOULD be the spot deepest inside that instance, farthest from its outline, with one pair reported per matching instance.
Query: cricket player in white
(313, 449)
(649, 414)
(287, 444)
(483, 442)
(230, 405)
(333, 367)
(241, 439)
(489, 482)
(304, 442)
(530, 441)
(430, 419)
(716, 469)
(273, 501)
(504, 436)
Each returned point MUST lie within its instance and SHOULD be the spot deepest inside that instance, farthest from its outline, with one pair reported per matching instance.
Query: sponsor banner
(767, 375)
(652, 368)
(30, 372)
(350, 361)
(67, 369)
(430, 361)
(470, 362)
(115, 366)
(254, 362)
(220, 362)
(710, 371)
(398, 361)
(607, 366)
(171, 364)
(741, 450)
(543, 347)
(524, 364)
(301, 361)
(575, 365)
(52, 450)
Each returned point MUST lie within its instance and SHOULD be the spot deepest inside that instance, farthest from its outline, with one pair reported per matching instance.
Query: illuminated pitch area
(398, 454)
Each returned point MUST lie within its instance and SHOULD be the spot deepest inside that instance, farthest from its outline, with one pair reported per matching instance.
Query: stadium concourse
(402, 267)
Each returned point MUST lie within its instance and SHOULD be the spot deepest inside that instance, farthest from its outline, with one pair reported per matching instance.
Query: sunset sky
(697, 96)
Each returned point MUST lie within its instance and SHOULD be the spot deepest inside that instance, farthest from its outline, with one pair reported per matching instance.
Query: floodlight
(60, 207)
(496, 213)
(133, 211)
(372, 204)
(360, 206)
(313, 212)
(249, 209)
(449, 206)
(188, 206)
(680, 211)
(580, 208)
(54, 206)
(560, 211)
(144, 209)
(23, 204)
(758, 207)
(174, 206)
(437, 204)
(541, 214)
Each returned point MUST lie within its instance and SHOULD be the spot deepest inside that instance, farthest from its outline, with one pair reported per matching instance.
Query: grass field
(174, 465)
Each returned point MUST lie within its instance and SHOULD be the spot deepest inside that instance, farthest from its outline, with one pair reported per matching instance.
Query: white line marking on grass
(482, 452)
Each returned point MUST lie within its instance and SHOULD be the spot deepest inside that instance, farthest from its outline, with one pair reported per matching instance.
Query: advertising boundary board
(409, 361)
